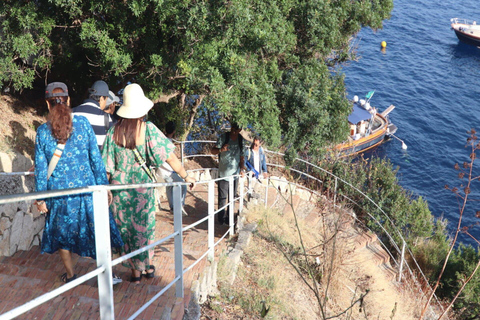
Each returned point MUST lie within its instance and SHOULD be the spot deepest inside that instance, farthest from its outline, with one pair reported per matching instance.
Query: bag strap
(106, 120)
(56, 156)
(239, 139)
(227, 138)
(143, 164)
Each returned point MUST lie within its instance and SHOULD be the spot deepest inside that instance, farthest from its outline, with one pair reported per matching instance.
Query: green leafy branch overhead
(269, 65)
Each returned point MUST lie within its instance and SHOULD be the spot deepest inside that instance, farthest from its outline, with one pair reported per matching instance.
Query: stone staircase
(365, 243)
(367, 246)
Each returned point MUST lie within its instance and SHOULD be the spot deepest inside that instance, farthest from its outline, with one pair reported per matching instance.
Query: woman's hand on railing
(41, 206)
(191, 180)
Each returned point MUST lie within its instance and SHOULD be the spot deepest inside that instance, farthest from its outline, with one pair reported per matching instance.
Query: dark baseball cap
(99, 88)
(56, 85)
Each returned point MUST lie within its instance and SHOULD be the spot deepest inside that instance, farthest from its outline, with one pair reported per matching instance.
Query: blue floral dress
(69, 223)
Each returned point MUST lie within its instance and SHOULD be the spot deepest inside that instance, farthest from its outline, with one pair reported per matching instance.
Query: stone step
(364, 239)
(379, 254)
(375, 253)
(389, 271)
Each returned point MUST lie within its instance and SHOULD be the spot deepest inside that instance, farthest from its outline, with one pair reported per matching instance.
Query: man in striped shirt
(93, 109)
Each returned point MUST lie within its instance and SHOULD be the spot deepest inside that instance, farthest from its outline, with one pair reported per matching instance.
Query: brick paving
(29, 274)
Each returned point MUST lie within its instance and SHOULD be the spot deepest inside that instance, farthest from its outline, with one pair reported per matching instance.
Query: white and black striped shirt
(99, 120)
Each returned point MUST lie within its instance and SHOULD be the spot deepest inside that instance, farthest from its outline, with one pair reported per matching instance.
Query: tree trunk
(191, 115)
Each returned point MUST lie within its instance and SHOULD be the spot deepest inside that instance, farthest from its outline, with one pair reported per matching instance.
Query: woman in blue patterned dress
(69, 223)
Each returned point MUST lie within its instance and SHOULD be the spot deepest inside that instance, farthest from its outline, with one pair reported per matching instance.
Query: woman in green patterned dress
(134, 209)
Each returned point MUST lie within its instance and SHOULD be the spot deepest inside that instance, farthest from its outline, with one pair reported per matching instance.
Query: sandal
(150, 275)
(67, 280)
(135, 279)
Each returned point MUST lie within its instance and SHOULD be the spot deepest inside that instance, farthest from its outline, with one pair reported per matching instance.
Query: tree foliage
(270, 65)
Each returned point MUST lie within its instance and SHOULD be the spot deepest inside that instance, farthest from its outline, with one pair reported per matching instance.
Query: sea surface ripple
(434, 81)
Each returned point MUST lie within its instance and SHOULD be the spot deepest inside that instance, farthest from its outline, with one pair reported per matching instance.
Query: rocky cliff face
(21, 225)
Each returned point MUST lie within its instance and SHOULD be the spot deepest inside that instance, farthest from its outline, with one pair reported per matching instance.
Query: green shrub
(461, 264)
(430, 252)
(377, 179)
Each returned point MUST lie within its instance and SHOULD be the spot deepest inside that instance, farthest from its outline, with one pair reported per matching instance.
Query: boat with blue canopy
(368, 127)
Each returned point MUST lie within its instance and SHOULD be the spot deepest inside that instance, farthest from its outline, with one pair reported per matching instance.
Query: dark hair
(126, 132)
(95, 97)
(170, 127)
(53, 101)
(256, 138)
(234, 125)
(60, 121)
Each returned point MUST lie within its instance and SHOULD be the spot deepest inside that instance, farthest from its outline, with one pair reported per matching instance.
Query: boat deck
(466, 27)
(378, 123)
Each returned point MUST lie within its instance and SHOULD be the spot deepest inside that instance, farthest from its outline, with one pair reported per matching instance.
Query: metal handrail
(177, 222)
(387, 217)
(104, 271)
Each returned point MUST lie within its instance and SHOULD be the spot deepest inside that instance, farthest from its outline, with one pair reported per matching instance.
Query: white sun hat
(135, 104)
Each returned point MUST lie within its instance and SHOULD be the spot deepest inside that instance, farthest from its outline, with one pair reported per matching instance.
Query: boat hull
(468, 39)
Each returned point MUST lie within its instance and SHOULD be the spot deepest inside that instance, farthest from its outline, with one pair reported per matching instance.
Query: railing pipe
(335, 193)
(177, 235)
(49, 295)
(178, 240)
(231, 205)
(104, 254)
(182, 152)
(266, 192)
(211, 220)
(402, 259)
(241, 183)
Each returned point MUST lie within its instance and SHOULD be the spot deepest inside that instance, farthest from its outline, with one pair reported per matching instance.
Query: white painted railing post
(231, 205)
(178, 242)
(211, 220)
(104, 254)
(182, 155)
(335, 194)
(266, 191)
(402, 259)
(241, 186)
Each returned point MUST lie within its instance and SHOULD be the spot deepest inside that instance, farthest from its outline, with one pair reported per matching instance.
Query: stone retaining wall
(21, 225)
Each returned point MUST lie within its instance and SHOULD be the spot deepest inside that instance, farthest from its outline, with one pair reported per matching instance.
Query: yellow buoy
(384, 44)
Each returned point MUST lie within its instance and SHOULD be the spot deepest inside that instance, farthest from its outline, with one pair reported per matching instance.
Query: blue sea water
(434, 82)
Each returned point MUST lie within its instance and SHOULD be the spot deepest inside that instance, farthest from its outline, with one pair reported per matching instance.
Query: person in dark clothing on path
(94, 109)
(229, 148)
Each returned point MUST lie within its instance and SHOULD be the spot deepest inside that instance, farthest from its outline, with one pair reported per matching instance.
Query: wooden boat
(467, 31)
(368, 128)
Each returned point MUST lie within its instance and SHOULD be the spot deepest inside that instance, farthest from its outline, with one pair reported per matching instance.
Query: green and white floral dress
(134, 209)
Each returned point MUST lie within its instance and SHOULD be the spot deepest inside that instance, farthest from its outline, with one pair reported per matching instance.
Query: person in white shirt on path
(256, 163)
